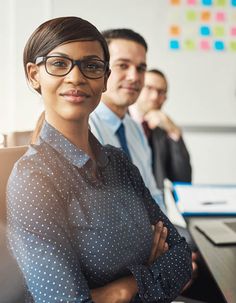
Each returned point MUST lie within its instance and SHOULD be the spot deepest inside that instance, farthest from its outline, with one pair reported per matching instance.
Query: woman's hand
(118, 291)
(159, 244)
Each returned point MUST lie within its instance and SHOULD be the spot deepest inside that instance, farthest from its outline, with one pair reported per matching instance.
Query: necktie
(121, 136)
(146, 129)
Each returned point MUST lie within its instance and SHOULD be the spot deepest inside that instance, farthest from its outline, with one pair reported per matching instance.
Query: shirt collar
(72, 153)
(108, 116)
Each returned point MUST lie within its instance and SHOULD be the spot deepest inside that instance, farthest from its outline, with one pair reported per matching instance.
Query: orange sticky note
(175, 2)
(205, 16)
(174, 30)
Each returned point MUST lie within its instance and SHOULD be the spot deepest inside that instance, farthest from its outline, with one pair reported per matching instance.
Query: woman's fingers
(159, 244)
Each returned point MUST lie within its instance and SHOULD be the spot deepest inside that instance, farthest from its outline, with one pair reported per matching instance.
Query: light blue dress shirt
(104, 123)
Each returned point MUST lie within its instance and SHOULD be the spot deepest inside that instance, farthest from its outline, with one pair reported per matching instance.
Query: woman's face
(71, 97)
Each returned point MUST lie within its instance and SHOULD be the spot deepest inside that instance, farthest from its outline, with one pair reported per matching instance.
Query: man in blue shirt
(128, 64)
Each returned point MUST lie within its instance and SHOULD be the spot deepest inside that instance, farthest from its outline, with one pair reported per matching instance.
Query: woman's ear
(105, 80)
(33, 75)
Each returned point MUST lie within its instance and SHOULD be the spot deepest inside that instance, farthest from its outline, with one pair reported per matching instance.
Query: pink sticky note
(205, 45)
(191, 2)
(220, 16)
(233, 31)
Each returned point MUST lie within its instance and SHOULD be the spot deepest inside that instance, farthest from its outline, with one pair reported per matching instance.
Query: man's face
(153, 94)
(128, 65)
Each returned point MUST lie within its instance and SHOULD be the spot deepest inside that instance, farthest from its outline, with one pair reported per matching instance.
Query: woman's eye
(60, 63)
(94, 66)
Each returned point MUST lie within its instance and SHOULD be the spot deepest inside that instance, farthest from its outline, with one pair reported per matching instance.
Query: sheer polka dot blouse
(74, 225)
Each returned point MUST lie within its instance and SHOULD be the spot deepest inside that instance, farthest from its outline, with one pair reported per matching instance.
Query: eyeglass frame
(43, 59)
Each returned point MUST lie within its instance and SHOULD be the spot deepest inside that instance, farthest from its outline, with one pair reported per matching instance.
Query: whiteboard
(202, 84)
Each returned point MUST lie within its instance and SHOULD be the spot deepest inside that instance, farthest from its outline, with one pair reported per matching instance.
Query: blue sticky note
(205, 31)
(233, 2)
(206, 2)
(174, 44)
(219, 45)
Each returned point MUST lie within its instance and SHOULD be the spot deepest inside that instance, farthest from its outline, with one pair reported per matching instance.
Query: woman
(80, 218)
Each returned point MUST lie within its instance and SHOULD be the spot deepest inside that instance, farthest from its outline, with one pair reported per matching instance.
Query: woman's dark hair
(56, 32)
(59, 31)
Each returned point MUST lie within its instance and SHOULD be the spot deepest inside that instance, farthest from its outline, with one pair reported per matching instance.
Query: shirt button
(145, 296)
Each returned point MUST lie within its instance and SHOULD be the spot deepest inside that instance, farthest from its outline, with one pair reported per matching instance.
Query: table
(221, 260)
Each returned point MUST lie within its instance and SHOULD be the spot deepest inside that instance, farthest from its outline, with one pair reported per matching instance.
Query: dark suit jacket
(170, 159)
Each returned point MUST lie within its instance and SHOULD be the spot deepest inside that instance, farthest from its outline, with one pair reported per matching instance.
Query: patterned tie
(121, 136)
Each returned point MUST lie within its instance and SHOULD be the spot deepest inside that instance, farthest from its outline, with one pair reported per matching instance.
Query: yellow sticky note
(189, 44)
(221, 2)
(191, 15)
(218, 31)
(232, 46)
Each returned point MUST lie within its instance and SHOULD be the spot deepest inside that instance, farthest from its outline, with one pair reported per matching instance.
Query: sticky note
(221, 2)
(233, 31)
(191, 15)
(218, 31)
(175, 2)
(189, 44)
(219, 45)
(206, 2)
(205, 16)
(174, 30)
(174, 44)
(232, 45)
(205, 45)
(191, 2)
(205, 31)
(220, 16)
(233, 2)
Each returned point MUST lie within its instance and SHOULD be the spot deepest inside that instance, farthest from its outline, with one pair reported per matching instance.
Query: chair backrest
(12, 288)
(8, 157)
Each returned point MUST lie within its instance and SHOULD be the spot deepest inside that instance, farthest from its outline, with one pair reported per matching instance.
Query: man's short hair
(159, 73)
(124, 33)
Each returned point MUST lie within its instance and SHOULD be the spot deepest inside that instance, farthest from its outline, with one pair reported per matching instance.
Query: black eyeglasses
(61, 66)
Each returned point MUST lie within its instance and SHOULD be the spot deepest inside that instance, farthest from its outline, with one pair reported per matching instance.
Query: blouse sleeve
(40, 240)
(165, 278)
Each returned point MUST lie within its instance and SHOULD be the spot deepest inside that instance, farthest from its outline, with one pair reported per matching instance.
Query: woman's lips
(75, 96)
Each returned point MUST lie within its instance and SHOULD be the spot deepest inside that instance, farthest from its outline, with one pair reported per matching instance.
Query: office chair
(12, 288)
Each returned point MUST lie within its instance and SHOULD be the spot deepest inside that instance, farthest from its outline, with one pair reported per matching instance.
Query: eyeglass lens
(90, 68)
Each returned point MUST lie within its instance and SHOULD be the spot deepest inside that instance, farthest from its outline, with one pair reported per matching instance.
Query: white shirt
(104, 123)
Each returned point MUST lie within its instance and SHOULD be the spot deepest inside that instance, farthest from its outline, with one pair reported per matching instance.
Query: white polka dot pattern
(73, 228)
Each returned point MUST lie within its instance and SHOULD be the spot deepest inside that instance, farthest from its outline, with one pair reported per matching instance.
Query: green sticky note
(189, 44)
(221, 2)
(191, 15)
(232, 45)
(218, 31)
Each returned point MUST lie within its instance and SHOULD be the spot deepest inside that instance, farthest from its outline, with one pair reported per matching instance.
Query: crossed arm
(124, 289)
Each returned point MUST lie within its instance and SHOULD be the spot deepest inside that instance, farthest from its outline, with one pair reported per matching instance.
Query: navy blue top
(74, 225)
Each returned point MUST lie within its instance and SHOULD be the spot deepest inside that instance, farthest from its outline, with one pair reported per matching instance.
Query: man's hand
(159, 244)
(156, 118)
